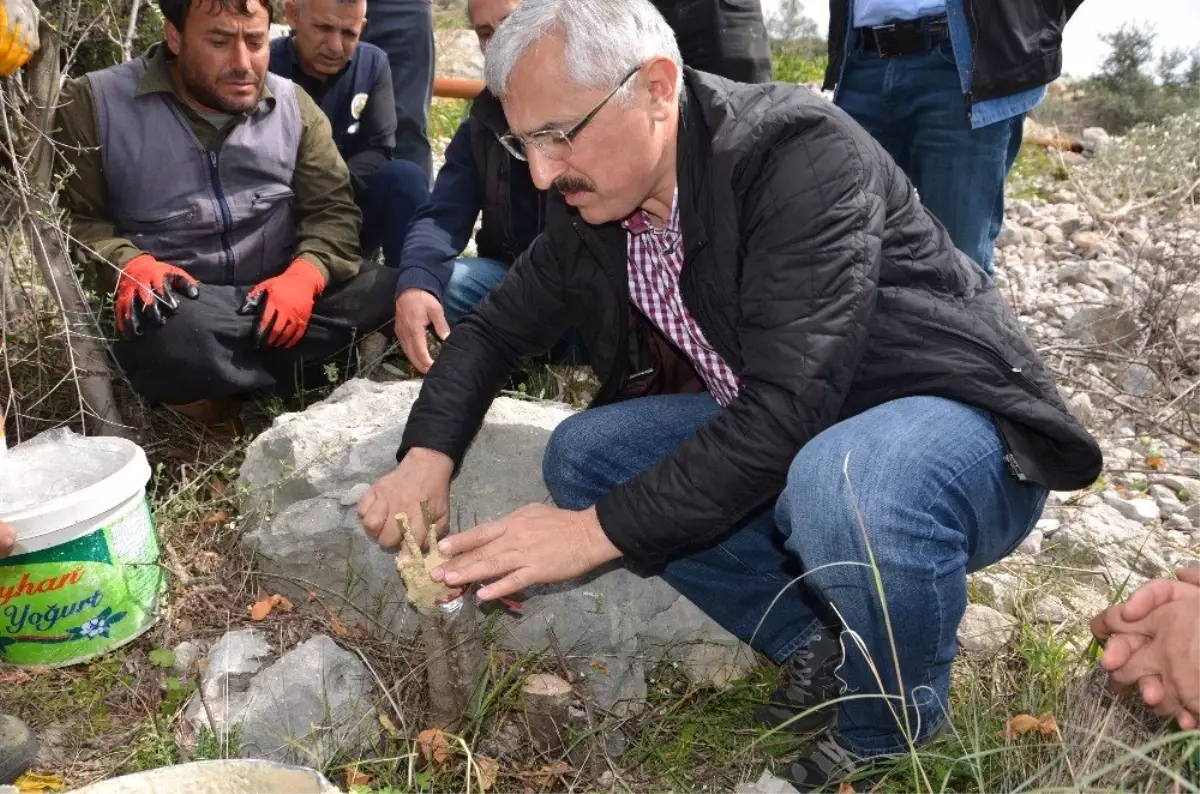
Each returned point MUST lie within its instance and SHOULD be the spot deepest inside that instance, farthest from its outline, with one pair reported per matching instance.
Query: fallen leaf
(1049, 726)
(600, 667)
(845, 788)
(356, 778)
(312, 596)
(487, 770)
(1156, 462)
(16, 677)
(549, 773)
(217, 487)
(339, 628)
(1019, 726)
(31, 783)
(215, 518)
(261, 609)
(434, 746)
(282, 603)
(388, 725)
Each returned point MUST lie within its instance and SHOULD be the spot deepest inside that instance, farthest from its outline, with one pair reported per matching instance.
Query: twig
(131, 31)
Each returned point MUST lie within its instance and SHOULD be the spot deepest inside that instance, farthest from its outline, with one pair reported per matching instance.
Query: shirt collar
(157, 77)
(639, 221)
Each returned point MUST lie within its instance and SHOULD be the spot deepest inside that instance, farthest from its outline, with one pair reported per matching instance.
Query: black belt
(905, 38)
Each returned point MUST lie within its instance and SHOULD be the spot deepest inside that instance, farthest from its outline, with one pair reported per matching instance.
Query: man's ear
(291, 13)
(173, 36)
(661, 76)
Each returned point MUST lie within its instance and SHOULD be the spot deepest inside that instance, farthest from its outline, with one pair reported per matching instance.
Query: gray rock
(187, 656)
(1104, 327)
(308, 706)
(1094, 139)
(1054, 234)
(1032, 544)
(458, 54)
(1179, 538)
(997, 589)
(1048, 609)
(1178, 484)
(1080, 404)
(1008, 237)
(1168, 504)
(1100, 537)
(1179, 522)
(1138, 380)
(984, 630)
(1142, 510)
(1087, 242)
(300, 523)
(1113, 275)
(1192, 511)
(766, 784)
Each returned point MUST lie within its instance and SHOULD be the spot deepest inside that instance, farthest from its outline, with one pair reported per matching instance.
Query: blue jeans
(473, 278)
(395, 191)
(913, 106)
(936, 501)
(404, 30)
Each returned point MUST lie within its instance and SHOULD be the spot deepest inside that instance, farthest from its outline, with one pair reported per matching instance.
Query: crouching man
(800, 374)
(216, 202)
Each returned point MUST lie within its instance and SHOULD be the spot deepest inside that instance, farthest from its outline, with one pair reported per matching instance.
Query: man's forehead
(337, 11)
(213, 15)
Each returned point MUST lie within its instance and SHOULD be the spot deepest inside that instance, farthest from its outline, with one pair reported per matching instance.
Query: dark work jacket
(1015, 44)
(364, 130)
(815, 273)
(479, 175)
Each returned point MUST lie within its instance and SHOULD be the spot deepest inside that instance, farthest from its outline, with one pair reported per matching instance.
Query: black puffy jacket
(1015, 44)
(817, 275)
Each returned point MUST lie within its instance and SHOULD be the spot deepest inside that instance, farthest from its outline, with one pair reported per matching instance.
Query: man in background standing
(404, 30)
(725, 37)
(944, 86)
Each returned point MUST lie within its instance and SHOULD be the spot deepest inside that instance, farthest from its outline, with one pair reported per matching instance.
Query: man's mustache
(573, 184)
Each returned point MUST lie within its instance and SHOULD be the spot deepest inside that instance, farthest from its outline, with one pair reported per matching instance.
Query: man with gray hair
(800, 375)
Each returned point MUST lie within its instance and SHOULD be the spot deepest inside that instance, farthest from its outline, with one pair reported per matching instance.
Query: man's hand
(535, 544)
(286, 302)
(416, 310)
(8, 538)
(146, 293)
(1153, 641)
(423, 475)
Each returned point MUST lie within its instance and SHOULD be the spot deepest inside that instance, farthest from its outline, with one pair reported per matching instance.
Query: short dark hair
(176, 11)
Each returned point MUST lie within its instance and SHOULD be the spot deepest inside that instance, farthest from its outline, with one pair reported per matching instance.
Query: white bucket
(84, 576)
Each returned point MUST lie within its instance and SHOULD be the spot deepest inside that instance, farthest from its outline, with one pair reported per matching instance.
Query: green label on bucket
(78, 599)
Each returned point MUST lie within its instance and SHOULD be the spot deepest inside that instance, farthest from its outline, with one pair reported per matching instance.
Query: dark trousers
(724, 37)
(388, 204)
(404, 30)
(206, 350)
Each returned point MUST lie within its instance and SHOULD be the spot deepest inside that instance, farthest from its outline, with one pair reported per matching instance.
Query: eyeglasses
(556, 144)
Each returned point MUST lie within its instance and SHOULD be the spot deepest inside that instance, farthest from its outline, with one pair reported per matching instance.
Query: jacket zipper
(226, 219)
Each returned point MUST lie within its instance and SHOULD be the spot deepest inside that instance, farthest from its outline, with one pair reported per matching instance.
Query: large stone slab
(302, 478)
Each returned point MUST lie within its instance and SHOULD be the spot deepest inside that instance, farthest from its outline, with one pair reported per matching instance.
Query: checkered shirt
(655, 262)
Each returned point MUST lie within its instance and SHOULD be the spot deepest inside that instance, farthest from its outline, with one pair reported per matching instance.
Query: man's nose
(242, 60)
(542, 169)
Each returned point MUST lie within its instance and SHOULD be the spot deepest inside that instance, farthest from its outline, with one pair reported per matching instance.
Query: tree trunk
(47, 243)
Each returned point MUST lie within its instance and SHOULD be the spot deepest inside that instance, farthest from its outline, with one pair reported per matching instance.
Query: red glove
(289, 303)
(146, 289)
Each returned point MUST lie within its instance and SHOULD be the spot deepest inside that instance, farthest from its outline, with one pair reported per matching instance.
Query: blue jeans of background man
(913, 106)
(474, 277)
(388, 204)
(936, 501)
(404, 30)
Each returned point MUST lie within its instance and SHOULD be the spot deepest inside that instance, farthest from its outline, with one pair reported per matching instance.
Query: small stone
(1008, 237)
(1179, 538)
(1048, 609)
(187, 657)
(1054, 234)
(1032, 545)
(1192, 511)
(1138, 380)
(1086, 241)
(984, 630)
(1168, 504)
(766, 784)
(1047, 526)
(1141, 510)
(1177, 484)
(1179, 522)
(1080, 404)
(998, 590)
(1094, 139)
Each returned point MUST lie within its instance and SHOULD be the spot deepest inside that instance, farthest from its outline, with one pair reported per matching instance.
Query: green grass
(1035, 170)
(794, 64)
(445, 115)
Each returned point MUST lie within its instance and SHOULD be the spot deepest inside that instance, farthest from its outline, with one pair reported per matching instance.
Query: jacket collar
(693, 154)
(487, 110)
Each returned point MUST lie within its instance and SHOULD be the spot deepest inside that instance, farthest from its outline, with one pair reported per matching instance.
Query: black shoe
(809, 680)
(822, 765)
(18, 747)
